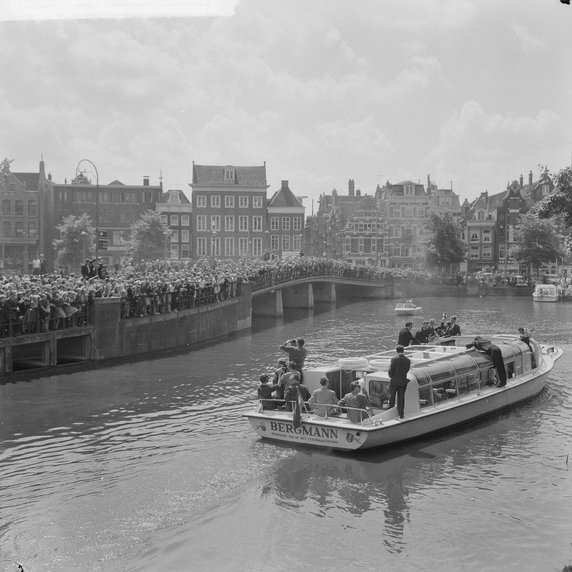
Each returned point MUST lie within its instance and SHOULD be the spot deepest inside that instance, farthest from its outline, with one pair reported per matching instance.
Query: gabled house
(285, 223)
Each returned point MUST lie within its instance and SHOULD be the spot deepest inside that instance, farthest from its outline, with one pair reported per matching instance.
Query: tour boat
(407, 308)
(546, 293)
(448, 386)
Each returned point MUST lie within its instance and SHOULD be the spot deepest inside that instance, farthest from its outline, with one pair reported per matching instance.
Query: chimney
(351, 187)
(521, 181)
(145, 181)
(49, 176)
(530, 178)
(284, 185)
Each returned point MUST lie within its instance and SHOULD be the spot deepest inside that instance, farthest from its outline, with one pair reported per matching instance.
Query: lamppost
(77, 171)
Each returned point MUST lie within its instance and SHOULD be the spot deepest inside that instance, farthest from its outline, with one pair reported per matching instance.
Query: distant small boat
(408, 308)
(546, 293)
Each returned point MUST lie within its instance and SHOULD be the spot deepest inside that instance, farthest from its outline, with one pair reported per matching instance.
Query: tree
(76, 242)
(149, 239)
(560, 201)
(539, 242)
(444, 245)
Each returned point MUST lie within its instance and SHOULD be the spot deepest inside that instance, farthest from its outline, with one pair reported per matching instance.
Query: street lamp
(77, 171)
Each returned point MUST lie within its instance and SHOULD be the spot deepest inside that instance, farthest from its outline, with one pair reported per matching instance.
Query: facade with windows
(364, 238)
(175, 210)
(112, 208)
(285, 223)
(405, 207)
(20, 221)
(228, 206)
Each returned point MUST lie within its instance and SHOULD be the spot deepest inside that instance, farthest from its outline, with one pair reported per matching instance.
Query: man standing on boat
(496, 356)
(398, 368)
(405, 337)
(297, 353)
(357, 401)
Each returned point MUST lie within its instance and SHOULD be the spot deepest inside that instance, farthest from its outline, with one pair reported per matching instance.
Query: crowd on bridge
(41, 302)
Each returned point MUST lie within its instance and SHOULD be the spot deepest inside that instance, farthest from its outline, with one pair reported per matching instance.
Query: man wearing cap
(398, 368)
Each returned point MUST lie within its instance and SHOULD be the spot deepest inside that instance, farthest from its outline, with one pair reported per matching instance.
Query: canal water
(149, 466)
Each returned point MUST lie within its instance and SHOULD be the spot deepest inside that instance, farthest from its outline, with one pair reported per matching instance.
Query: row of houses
(230, 215)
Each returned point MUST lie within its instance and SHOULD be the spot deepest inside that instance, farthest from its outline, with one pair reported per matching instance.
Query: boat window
(421, 376)
(425, 396)
(440, 371)
(518, 365)
(443, 390)
(473, 381)
(510, 369)
(463, 364)
(462, 385)
(378, 392)
(482, 360)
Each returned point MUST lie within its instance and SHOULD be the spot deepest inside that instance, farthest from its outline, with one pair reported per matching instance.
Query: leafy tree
(560, 201)
(76, 242)
(149, 238)
(444, 245)
(539, 242)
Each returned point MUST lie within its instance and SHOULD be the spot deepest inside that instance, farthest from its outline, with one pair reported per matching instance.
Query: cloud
(528, 43)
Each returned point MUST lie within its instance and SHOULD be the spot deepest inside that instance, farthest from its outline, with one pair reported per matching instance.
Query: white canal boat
(546, 293)
(408, 308)
(448, 386)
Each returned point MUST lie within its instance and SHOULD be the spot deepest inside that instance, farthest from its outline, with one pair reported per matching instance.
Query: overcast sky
(473, 92)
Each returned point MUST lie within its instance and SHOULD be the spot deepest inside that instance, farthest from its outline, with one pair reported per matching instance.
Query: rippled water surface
(150, 466)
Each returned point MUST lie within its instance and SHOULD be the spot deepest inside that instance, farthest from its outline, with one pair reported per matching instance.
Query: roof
(284, 197)
(29, 180)
(214, 175)
(174, 197)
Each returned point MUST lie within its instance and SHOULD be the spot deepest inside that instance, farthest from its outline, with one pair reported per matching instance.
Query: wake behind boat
(408, 308)
(448, 386)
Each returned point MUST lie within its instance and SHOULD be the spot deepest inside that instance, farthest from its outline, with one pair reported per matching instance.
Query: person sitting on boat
(398, 368)
(405, 337)
(265, 391)
(495, 353)
(431, 327)
(454, 329)
(297, 353)
(292, 392)
(423, 334)
(357, 400)
(324, 401)
(442, 327)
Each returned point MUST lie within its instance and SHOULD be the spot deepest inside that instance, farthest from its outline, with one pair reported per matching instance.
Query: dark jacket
(406, 338)
(398, 369)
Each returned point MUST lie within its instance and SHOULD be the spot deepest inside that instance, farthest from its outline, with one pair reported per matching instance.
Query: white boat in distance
(407, 308)
(448, 386)
(546, 293)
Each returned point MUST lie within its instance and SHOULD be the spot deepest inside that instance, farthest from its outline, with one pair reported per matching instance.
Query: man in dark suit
(405, 337)
(398, 369)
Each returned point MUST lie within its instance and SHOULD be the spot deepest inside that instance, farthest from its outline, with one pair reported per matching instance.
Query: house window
(185, 251)
(215, 202)
(409, 190)
(19, 207)
(297, 243)
(257, 247)
(229, 202)
(297, 222)
(474, 252)
(19, 230)
(545, 190)
(487, 252)
(229, 246)
(175, 251)
(174, 236)
(185, 221)
(285, 242)
(274, 223)
(286, 223)
(396, 250)
(243, 246)
(215, 246)
(164, 219)
(229, 223)
(215, 223)
(7, 229)
(274, 244)
(32, 208)
(242, 202)
(486, 236)
(257, 202)
(229, 174)
(202, 201)
(6, 207)
(32, 230)
(201, 246)
(174, 220)
(257, 223)
(474, 236)
(201, 222)
(243, 223)
(185, 236)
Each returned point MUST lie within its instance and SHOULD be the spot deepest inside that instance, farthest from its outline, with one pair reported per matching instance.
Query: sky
(473, 93)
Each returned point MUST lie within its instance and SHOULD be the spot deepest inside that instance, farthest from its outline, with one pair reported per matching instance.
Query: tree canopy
(149, 238)
(560, 201)
(539, 242)
(444, 244)
(76, 242)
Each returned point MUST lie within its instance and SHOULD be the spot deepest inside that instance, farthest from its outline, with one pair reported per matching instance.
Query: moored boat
(408, 308)
(448, 386)
(546, 293)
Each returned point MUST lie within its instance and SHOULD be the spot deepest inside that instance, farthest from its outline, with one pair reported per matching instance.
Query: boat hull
(342, 435)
